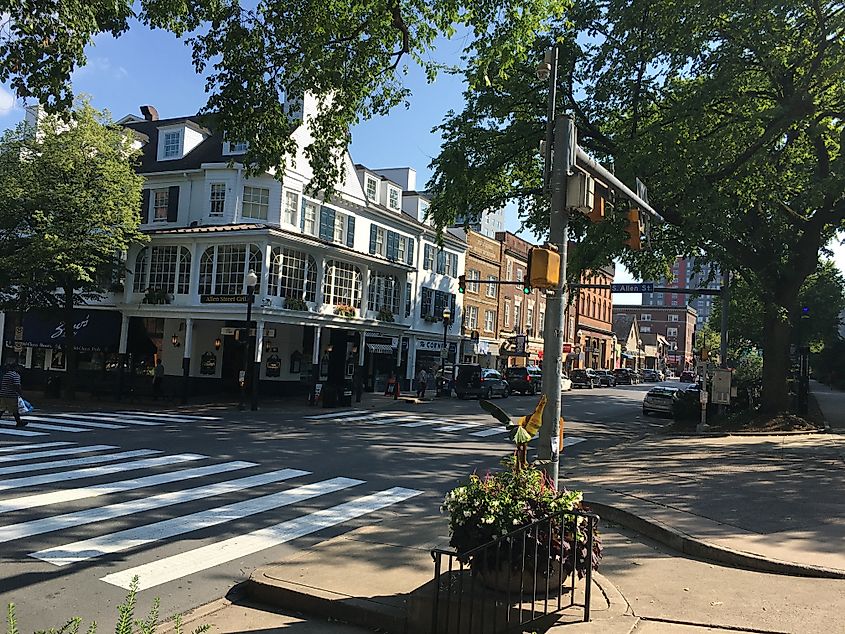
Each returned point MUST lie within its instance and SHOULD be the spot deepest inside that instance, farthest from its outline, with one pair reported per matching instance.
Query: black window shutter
(145, 206)
(326, 224)
(410, 251)
(350, 231)
(392, 245)
(173, 203)
(373, 231)
(302, 216)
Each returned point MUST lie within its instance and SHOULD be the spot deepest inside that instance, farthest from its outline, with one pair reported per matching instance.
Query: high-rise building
(686, 275)
(489, 224)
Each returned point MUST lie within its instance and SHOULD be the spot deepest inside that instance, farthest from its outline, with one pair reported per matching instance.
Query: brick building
(481, 300)
(589, 324)
(675, 323)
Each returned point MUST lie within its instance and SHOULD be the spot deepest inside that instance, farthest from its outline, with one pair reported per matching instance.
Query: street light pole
(251, 281)
(444, 355)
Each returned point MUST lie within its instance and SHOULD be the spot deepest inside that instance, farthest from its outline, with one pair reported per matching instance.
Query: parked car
(624, 376)
(606, 377)
(650, 376)
(659, 399)
(475, 381)
(584, 378)
(687, 376)
(565, 382)
(525, 380)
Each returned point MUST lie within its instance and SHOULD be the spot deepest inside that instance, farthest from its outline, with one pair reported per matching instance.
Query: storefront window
(293, 274)
(342, 284)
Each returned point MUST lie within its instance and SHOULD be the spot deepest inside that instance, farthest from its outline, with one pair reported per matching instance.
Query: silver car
(659, 400)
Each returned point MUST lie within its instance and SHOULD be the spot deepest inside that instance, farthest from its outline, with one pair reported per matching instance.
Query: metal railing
(515, 580)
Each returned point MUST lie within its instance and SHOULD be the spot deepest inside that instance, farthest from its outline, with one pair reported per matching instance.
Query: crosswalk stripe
(20, 432)
(73, 421)
(457, 427)
(335, 414)
(12, 532)
(422, 423)
(134, 537)
(49, 427)
(77, 462)
(366, 417)
(183, 564)
(55, 452)
(38, 445)
(114, 419)
(568, 441)
(493, 431)
(83, 493)
(95, 472)
(184, 417)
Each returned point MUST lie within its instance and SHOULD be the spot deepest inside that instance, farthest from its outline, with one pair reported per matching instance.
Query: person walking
(422, 382)
(158, 379)
(10, 391)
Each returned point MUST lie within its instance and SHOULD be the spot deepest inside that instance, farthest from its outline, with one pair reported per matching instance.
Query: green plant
(156, 296)
(295, 303)
(126, 623)
(385, 314)
(344, 310)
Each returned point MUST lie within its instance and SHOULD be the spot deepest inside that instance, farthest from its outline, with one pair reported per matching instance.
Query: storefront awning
(380, 348)
(96, 330)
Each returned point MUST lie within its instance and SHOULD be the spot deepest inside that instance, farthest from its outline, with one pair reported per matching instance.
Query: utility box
(580, 192)
(721, 387)
(543, 267)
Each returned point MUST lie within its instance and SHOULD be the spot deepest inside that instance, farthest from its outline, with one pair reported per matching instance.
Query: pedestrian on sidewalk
(158, 379)
(422, 382)
(392, 387)
(10, 391)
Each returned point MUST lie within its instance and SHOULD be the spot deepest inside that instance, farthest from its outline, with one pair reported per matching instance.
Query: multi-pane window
(408, 289)
(309, 223)
(542, 325)
(673, 318)
(507, 314)
(517, 315)
(472, 280)
(163, 267)
(671, 332)
(383, 292)
(217, 200)
(291, 206)
(529, 318)
(401, 248)
(645, 329)
(428, 258)
(645, 317)
(489, 317)
(293, 274)
(160, 205)
(510, 270)
(207, 272)
(372, 188)
(452, 264)
(139, 282)
(491, 288)
(393, 198)
(183, 280)
(342, 284)
(380, 243)
(472, 317)
(256, 202)
(229, 278)
(339, 231)
(238, 147)
(172, 144)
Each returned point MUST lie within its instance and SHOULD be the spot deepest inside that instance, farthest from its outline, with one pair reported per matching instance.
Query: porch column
(365, 291)
(186, 357)
(256, 366)
(321, 276)
(194, 280)
(265, 270)
(412, 357)
(315, 363)
(121, 352)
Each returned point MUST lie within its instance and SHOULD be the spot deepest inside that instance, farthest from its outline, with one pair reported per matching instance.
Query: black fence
(521, 578)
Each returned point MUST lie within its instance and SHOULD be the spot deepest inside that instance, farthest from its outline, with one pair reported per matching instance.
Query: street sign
(641, 287)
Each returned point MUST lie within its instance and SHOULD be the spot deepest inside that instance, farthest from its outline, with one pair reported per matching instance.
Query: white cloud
(7, 102)
(101, 66)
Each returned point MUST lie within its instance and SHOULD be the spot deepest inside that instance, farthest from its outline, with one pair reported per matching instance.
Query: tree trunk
(777, 329)
(69, 347)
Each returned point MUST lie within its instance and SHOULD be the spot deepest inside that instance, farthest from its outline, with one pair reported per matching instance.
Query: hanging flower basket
(344, 310)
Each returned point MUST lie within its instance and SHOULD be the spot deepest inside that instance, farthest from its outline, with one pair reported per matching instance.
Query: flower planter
(509, 580)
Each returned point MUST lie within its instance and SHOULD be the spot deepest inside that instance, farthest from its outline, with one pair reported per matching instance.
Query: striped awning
(380, 348)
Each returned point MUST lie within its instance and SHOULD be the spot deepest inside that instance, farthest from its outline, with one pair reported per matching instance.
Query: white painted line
(568, 441)
(38, 445)
(20, 432)
(493, 431)
(84, 493)
(56, 452)
(96, 472)
(458, 427)
(115, 419)
(134, 537)
(185, 417)
(12, 532)
(74, 421)
(47, 427)
(175, 567)
(77, 462)
(366, 417)
(350, 412)
(421, 423)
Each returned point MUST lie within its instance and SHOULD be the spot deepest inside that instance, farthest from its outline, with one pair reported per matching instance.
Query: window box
(295, 303)
(157, 296)
(384, 314)
(345, 310)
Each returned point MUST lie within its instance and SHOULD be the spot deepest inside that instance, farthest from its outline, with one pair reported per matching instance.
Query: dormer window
(372, 188)
(173, 144)
(393, 198)
(235, 147)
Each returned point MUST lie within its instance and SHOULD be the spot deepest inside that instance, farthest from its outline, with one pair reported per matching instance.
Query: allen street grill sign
(225, 299)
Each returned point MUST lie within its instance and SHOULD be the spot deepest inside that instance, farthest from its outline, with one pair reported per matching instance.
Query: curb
(202, 612)
(689, 545)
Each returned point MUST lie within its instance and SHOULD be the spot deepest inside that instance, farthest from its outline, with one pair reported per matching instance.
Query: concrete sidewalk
(771, 503)
(832, 404)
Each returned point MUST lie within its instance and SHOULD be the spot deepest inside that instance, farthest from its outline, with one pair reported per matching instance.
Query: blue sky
(153, 67)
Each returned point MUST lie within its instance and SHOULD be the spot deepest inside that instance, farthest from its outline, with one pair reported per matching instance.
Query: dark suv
(584, 378)
(473, 380)
(527, 380)
(624, 376)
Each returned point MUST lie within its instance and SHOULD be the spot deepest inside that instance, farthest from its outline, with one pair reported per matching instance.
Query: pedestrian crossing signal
(462, 284)
(634, 229)
(543, 268)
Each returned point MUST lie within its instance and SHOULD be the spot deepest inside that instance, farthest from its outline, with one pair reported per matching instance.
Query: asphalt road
(192, 501)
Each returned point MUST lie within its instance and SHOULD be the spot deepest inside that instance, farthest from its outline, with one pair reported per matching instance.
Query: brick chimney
(150, 113)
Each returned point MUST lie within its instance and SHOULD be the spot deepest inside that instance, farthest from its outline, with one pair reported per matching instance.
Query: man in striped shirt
(10, 390)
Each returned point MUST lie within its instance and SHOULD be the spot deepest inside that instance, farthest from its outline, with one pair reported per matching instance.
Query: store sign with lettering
(225, 299)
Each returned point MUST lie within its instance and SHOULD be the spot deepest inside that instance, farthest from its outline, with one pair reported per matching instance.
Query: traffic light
(634, 229)
(526, 285)
(543, 267)
(462, 284)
